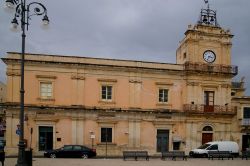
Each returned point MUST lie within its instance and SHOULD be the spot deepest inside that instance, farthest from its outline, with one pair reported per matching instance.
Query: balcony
(202, 67)
(245, 122)
(203, 109)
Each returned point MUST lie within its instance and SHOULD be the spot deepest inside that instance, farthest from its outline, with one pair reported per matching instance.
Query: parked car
(71, 151)
(202, 151)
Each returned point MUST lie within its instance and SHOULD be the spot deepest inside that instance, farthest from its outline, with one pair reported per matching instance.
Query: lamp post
(24, 12)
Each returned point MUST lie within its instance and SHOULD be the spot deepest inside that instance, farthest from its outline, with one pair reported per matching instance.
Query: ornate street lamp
(24, 12)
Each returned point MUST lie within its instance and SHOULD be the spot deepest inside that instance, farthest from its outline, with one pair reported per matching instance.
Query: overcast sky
(147, 30)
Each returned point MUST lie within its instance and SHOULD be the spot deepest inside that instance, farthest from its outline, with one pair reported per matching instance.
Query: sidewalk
(120, 162)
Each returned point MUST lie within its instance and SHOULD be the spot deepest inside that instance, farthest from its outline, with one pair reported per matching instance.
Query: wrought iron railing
(202, 67)
(201, 108)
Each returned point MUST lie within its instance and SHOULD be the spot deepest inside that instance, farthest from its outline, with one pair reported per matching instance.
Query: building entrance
(207, 134)
(245, 142)
(162, 140)
(45, 138)
(207, 137)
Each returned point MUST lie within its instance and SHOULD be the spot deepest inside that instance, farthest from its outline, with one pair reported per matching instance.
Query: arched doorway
(207, 134)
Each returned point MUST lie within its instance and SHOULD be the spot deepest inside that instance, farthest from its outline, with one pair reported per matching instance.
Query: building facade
(2, 92)
(2, 111)
(116, 105)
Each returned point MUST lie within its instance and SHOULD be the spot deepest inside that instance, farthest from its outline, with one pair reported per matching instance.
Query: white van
(215, 146)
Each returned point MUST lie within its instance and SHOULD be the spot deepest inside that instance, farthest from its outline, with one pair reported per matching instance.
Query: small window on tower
(184, 55)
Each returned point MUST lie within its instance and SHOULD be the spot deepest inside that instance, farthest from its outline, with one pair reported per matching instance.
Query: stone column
(11, 137)
(77, 92)
(135, 93)
(134, 133)
(9, 129)
(77, 131)
(192, 136)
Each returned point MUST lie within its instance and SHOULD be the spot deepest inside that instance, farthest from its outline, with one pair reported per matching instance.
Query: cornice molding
(76, 77)
(135, 81)
(106, 80)
(12, 73)
(46, 76)
(164, 83)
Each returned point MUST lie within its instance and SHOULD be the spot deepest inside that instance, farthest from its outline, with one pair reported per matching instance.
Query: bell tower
(205, 53)
(205, 42)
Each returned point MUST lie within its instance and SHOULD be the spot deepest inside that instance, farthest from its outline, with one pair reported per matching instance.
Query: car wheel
(85, 156)
(191, 154)
(52, 155)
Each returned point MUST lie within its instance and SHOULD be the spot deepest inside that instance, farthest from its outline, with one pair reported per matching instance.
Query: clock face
(209, 56)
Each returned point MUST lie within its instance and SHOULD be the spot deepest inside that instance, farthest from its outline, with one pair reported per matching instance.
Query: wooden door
(207, 137)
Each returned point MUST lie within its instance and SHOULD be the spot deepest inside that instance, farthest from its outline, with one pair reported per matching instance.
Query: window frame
(107, 82)
(40, 90)
(106, 98)
(209, 98)
(112, 134)
(46, 79)
(163, 98)
(247, 115)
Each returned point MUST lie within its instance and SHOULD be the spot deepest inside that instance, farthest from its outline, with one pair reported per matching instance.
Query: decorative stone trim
(44, 112)
(104, 144)
(75, 77)
(110, 121)
(106, 102)
(164, 83)
(41, 99)
(225, 85)
(12, 73)
(135, 108)
(210, 86)
(163, 116)
(106, 80)
(192, 83)
(166, 104)
(135, 81)
(46, 76)
(106, 114)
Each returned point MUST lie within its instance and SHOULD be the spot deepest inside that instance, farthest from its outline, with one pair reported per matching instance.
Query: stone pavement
(120, 162)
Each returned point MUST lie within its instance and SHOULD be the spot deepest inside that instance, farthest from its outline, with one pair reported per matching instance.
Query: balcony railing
(202, 67)
(201, 108)
(245, 122)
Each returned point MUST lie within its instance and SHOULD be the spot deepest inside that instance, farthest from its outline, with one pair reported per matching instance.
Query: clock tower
(205, 53)
(206, 42)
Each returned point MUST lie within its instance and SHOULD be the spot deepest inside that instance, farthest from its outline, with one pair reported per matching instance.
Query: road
(120, 162)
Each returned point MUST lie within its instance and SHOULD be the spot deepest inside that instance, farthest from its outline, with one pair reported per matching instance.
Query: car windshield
(204, 146)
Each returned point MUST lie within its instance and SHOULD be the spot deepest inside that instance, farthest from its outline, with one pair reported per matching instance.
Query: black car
(71, 151)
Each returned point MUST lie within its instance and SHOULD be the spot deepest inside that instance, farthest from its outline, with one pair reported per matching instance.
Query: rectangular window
(208, 101)
(46, 90)
(106, 92)
(209, 98)
(163, 95)
(106, 134)
(246, 113)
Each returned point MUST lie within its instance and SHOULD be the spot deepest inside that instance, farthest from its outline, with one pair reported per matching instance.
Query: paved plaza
(120, 162)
